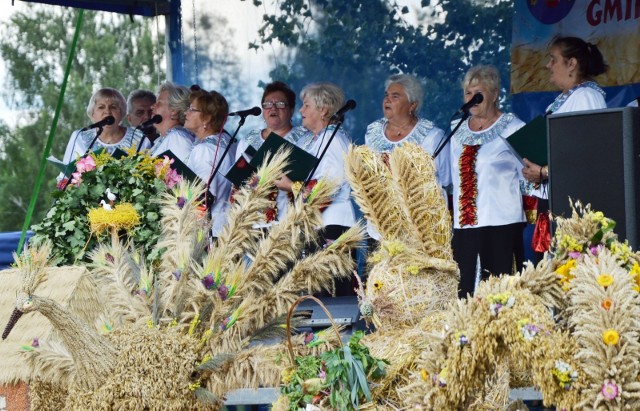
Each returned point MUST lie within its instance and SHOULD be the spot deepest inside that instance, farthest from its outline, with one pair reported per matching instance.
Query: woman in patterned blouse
(488, 216)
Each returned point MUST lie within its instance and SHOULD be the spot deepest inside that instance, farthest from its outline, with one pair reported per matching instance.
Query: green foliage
(66, 224)
(339, 376)
(358, 44)
(35, 43)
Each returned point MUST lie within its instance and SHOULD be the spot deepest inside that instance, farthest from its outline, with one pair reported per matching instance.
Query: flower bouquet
(107, 196)
(337, 379)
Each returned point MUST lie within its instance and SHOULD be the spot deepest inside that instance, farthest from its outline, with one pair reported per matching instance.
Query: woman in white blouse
(278, 105)
(206, 116)
(488, 216)
(320, 101)
(401, 123)
(103, 103)
(171, 105)
(572, 65)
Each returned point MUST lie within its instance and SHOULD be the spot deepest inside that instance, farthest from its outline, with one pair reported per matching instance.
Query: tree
(214, 64)
(113, 51)
(358, 44)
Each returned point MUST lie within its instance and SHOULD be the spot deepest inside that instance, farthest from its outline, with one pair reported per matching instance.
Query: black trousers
(497, 246)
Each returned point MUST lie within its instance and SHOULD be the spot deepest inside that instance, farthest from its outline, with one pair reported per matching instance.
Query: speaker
(593, 157)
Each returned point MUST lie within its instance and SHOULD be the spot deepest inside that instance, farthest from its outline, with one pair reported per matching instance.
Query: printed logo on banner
(549, 11)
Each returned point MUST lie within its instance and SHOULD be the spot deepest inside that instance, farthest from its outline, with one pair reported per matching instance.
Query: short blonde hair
(324, 95)
(110, 94)
(486, 75)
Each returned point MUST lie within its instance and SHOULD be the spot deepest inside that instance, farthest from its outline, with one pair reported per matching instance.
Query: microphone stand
(443, 144)
(66, 184)
(335, 130)
(224, 154)
(144, 135)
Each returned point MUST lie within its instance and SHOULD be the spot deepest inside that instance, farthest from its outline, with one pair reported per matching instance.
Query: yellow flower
(425, 375)
(605, 280)
(598, 217)
(610, 337)
(635, 275)
(375, 258)
(395, 247)
(622, 252)
(287, 375)
(412, 269)
(377, 285)
(570, 244)
(194, 323)
(101, 159)
(565, 272)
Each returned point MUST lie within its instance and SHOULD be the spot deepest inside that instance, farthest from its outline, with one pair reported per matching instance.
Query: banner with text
(612, 25)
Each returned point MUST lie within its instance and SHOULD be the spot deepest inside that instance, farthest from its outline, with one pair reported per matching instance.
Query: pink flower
(609, 390)
(172, 178)
(85, 164)
(76, 178)
(575, 254)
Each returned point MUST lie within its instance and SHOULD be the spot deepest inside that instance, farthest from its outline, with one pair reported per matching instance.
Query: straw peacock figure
(196, 322)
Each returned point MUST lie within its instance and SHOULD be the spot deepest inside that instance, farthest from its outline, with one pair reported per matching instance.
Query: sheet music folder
(242, 169)
(180, 167)
(68, 169)
(530, 141)
(300, 162)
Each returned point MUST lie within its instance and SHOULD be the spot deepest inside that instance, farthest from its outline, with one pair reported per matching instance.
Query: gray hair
(412, 88)
(107, 93)
(486, 75)
(324, 95)
(178, 98)
(139, 95)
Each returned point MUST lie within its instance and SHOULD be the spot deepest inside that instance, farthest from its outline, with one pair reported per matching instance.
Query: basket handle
(290, 313)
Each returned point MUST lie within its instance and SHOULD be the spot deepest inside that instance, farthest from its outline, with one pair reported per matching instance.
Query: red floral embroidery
(468, 186)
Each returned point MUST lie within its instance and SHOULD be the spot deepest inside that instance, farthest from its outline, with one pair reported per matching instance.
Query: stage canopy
(148, 8)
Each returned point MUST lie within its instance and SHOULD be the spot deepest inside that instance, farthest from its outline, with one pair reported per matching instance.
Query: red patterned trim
(468, 186)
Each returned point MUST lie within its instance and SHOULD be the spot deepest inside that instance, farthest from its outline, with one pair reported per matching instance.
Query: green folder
(530, 141)
(300, 162)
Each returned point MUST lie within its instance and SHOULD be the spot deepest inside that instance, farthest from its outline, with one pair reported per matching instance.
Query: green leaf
(69, 225)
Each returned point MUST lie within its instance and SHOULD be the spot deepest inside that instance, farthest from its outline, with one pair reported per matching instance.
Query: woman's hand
(533, 172)
(284, 183)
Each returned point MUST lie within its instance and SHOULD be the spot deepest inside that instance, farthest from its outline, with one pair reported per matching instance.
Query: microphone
(153, 120)
(349, 105)
(107, 121)
(476, 99)
(256, 111)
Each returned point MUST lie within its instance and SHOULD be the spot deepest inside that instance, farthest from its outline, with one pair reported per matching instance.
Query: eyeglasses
(191, 109)
(269, 104)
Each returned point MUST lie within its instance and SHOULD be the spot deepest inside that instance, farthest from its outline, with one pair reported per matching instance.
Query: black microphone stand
(335, 130)
(144, 135)
(224, 154)
(443, 143)
(66, 184)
